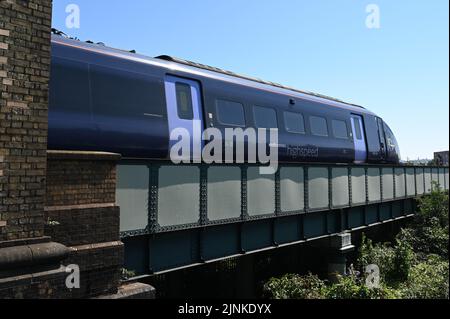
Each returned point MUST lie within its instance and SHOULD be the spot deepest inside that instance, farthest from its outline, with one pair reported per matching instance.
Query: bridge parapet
(205, 212)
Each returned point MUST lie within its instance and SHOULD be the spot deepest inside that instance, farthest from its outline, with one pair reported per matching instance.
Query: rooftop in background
(441, 158)
(418, 162)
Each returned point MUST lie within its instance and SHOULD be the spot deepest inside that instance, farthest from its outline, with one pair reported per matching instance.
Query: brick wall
(73, 226)
(45, 285)
(79, 208)
(81, 213)
(24, 76)
(84, 180)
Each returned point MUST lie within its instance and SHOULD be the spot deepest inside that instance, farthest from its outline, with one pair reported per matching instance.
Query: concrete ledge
(17, 257)
(71, 208)
(112, 244)
(30, 277)
(82, 155)
(97, 256)
(24, 241)
(43, 285)
(135, 290)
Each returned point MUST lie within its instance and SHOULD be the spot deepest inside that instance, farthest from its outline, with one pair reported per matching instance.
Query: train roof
(173, 63)
(215, 69)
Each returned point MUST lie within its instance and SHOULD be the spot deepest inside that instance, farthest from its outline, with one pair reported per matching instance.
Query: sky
(398, 68)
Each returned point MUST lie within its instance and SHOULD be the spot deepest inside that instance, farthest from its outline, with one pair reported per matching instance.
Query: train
(112, 100)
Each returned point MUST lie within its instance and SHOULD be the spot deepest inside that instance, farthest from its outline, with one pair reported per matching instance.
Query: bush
(352, 287)
(428, 280)
(293, 286)
(426, 240)
(434, 206)
(394, 262)
(415, 266)
(126, 274)
(429, 232)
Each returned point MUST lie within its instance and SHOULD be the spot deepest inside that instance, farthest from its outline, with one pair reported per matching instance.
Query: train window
(69, 98)
(184, 101)
(390, 139)
(293, 122)
(339, 129)
(121, 93)
(357, 128)
(380, 131)
(230, 113)
(318, 126)
(265, 117)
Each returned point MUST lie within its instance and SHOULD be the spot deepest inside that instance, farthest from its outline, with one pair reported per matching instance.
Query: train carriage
(105, 99)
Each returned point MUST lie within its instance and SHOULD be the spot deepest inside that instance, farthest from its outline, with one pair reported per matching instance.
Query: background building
(441, 158)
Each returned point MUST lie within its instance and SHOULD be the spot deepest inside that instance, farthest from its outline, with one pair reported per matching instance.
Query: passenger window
(318, 126)
(357, 128)
(265, 117)
(339, 129)
(293, 122)
(230, 113)
(184, 101)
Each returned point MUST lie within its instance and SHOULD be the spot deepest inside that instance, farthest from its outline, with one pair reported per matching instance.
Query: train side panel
(105, 103)
(293, 146)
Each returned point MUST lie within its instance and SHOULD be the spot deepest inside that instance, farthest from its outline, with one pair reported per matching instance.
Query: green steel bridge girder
(176, 216)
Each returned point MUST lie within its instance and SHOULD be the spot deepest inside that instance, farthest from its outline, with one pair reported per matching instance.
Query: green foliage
(429, 233)
(426, 240)
(52, 222)
(415, 266)
(352, 287)
(418, 262)
(428, 280)
(394, 262)
(434, 206)
(126, 274)
(293, 286)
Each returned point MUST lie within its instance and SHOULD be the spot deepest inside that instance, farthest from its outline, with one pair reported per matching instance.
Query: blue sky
(399, 71)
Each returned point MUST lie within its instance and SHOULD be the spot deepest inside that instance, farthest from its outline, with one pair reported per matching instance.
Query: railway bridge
(100, 213)
(176, 216)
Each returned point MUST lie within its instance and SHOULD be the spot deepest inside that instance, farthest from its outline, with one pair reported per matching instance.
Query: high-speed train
(105, 99)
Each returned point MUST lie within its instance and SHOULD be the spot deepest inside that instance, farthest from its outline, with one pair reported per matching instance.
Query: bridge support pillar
(30, 263)
(55, 207)
(340, 245)
(335, 249)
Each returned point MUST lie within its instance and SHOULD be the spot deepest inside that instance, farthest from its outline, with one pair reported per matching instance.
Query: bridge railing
(158, 197)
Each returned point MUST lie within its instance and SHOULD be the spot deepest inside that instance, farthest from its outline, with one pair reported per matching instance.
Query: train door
(382, 139)
(359, 138)
(184, 114)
